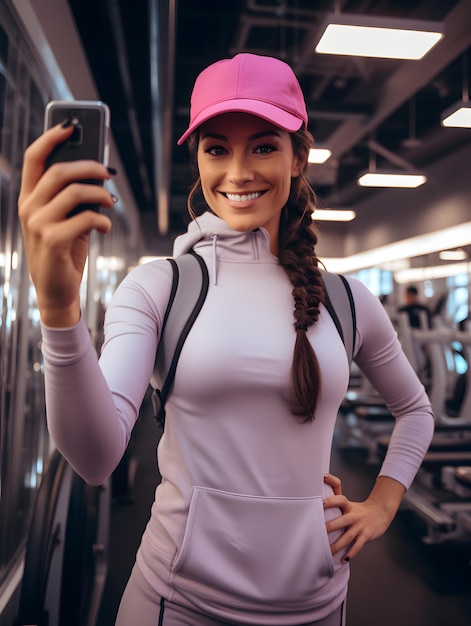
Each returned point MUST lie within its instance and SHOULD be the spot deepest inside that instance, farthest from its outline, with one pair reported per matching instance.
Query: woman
(248, 526)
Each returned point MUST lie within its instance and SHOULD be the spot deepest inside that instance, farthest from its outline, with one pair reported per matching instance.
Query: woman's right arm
(89, 419)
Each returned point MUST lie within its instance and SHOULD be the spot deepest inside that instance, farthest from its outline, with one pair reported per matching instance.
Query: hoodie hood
(214, 240)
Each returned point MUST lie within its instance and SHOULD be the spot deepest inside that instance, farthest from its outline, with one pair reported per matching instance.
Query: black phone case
(88, 141)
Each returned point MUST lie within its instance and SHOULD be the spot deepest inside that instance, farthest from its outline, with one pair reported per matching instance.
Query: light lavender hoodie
(237, 528)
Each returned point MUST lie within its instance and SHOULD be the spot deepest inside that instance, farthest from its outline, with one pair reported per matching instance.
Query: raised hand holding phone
(57, 247)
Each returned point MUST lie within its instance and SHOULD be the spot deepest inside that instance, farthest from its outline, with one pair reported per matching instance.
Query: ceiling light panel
(391, 179)
(333, 215)
(381, 37)
(458, 116)
(453, 255)
(319, 155)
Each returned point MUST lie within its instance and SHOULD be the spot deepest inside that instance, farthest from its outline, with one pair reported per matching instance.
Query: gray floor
(396, 580)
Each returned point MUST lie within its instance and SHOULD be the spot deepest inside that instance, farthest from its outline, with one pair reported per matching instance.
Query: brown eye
(265, 149)
(215, 150)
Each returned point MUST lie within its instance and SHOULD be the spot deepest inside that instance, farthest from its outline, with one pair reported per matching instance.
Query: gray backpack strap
(189, 289)
(341, 307)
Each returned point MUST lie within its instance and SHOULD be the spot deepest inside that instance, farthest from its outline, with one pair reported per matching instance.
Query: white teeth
(235, 197)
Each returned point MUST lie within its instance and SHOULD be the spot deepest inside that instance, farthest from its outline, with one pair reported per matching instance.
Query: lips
(243, 197)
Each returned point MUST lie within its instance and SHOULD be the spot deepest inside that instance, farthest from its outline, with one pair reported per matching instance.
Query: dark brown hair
(296, 254)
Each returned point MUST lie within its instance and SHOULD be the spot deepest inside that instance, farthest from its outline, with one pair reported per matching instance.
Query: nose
(240, 171)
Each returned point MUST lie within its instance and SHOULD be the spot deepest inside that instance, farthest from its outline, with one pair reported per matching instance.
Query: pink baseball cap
(248, 83)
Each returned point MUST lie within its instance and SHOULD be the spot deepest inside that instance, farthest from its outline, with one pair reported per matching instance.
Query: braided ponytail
(297, 257)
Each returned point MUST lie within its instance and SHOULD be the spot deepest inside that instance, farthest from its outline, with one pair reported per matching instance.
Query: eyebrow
(264, 133)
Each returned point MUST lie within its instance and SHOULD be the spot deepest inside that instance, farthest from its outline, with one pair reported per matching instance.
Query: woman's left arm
(380, 357)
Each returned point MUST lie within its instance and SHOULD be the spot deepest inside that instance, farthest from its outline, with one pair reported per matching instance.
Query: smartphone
(89, 140)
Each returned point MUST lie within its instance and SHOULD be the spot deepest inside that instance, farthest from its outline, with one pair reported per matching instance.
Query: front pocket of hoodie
(270, 550)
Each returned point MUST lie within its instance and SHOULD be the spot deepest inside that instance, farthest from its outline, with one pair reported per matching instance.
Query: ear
(297, 166)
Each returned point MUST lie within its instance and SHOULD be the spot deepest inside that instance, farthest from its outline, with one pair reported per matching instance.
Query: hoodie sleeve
(92, 404)
(380, 357)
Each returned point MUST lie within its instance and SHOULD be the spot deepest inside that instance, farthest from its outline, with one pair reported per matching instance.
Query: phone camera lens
(77, 134)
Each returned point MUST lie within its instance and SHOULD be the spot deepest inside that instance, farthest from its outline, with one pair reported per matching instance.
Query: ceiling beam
(116, 23)
(162, 24)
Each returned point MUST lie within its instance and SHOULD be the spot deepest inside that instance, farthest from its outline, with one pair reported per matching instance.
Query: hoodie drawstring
(215, 280)
(255, 244)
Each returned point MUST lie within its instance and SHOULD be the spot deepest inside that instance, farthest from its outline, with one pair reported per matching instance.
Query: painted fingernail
(346, 559)
(112, 171)
(66, 123)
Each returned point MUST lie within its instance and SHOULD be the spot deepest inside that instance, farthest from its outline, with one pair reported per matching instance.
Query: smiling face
(246, 165)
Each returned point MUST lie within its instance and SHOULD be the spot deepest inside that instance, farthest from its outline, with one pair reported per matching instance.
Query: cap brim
(269, 112)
